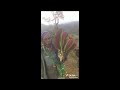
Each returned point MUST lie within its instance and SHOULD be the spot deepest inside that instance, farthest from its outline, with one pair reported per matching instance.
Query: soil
(71, 65)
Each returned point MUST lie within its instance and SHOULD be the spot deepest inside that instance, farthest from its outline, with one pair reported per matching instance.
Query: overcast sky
(69, 16)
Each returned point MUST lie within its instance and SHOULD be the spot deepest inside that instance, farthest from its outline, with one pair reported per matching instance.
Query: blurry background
(69, 16)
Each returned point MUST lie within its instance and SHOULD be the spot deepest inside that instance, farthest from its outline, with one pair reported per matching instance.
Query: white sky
(69, 16)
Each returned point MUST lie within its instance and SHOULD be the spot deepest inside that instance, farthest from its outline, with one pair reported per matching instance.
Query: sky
(69, 16)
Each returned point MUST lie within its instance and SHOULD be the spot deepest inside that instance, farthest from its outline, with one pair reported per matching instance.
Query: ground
(72, 65)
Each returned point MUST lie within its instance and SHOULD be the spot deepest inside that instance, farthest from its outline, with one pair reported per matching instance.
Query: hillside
(71, 27)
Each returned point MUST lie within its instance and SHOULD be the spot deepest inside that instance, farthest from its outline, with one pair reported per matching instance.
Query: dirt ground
(72, 66)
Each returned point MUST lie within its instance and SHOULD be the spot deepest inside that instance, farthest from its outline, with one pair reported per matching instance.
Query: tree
(56, 16)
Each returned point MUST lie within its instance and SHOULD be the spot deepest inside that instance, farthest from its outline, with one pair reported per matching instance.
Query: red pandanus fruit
(63, 43)
(57, 39)
(68, 44)
(64, 39)
(60, 40)
(63, 36)
(73, 46)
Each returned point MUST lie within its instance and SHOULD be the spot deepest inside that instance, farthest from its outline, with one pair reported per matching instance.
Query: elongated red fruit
(68, 44)
(57, 39)
(64, 38)
(72, 47)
